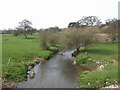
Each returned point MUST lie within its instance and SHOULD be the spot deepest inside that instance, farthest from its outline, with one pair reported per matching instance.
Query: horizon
(45, 14)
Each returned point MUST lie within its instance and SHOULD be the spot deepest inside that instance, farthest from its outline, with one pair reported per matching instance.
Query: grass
(98, 79)
(103, 53)
(20, 51)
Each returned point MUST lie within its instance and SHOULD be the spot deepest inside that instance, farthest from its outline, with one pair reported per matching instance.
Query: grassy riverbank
(99, 55)
(17, 52)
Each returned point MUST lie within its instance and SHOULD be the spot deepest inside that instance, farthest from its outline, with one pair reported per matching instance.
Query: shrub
(98, 79)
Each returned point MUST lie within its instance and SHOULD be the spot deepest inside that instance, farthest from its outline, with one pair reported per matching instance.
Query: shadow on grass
(30, 38)
(100, 51)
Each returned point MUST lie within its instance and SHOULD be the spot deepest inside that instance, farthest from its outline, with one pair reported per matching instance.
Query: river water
(58, 72)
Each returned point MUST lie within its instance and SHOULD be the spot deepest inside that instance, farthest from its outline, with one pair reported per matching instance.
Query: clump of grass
(53, 48)
(15, 72)
(85, 60)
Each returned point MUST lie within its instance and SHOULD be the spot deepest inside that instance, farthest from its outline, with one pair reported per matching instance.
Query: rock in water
(74, 62)
(32, 75)
(29, 68)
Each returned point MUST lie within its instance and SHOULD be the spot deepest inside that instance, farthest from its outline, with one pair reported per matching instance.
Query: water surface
(58, 72)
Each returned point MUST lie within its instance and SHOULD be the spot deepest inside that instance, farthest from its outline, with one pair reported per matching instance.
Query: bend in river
(58, 72)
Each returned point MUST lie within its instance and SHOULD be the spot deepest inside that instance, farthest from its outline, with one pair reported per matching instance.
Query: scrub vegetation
(18, 52)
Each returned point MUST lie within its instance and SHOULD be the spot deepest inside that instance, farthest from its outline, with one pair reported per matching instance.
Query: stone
(32, 75)
(29, 68)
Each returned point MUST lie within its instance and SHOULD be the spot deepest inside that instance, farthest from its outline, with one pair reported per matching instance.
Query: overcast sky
(48, 13)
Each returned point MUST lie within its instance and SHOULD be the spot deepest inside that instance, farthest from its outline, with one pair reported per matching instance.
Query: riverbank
(6, 83)
(102, 61)
(58, 72)
(19, 54)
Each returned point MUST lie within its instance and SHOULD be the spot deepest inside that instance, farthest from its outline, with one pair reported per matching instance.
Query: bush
(16, 72)
(53, 48)
(84, 59)
(98, 79)
(82, 49)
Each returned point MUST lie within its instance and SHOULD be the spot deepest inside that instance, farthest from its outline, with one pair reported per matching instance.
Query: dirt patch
(9, 84)
(113, 62)
(102, 37)
(79, 69)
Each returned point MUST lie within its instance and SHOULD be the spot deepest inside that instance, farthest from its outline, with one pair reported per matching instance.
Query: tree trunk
(25, 34)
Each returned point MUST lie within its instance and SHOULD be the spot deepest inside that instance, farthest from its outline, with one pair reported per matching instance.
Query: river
(58, 72)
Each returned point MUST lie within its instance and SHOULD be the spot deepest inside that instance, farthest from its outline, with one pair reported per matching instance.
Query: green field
(105, 53)
(20, 51)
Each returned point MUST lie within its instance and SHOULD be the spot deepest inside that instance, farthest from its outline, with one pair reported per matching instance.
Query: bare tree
(25, 27)
(74, 38)
(43, 39)
(89, 21)
(48, 38)
(112, 28)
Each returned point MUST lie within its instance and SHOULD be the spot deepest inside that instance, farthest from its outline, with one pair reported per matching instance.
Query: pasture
(19, 51)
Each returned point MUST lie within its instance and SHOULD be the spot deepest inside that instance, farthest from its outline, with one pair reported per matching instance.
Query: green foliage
(53, 48)
(32, 75)
(21, 52)
(98, 79)
(82, 58)
(102, 53)
(82, 49)
(16, 72)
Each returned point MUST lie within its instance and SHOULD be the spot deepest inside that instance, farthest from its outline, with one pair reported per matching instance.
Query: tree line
(80, 34)
(25, 28)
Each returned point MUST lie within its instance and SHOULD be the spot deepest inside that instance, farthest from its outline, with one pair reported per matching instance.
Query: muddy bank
(79, 69)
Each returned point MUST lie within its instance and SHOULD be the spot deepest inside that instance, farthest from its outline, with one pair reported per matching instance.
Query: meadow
(17, 51)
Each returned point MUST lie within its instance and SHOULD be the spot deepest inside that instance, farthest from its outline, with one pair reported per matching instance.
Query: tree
(17, 31)
(43, 39)
(109, 21)
(75, 38)
(48, 38)
(25, 27)
(73, 24)
(112, 28)
(89, 21)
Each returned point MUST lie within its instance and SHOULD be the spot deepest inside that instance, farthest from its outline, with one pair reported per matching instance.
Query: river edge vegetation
(96, 48)
(102, 60)
(18, 53)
